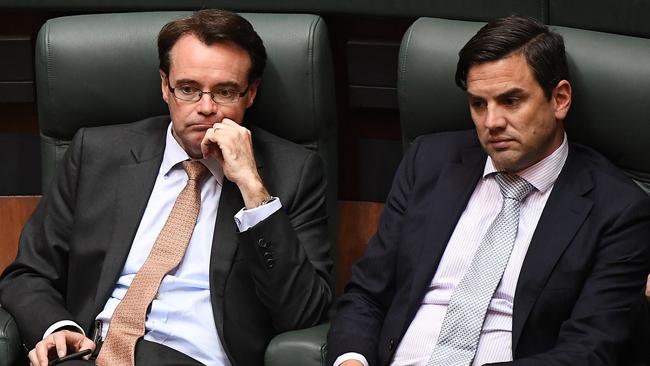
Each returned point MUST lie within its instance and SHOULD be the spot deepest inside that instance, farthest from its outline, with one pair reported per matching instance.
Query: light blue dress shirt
(180, 316)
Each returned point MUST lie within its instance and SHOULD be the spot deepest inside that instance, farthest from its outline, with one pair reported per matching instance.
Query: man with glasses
(256, 262)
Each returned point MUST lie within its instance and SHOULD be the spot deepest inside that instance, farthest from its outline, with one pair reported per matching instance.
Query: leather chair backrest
(102, 69)
(612, 16)
(610, 76)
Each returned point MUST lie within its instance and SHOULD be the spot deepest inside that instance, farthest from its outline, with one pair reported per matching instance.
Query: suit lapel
(224, 241)
(224, 244)
(443, 207)
(133, 187)
(564, 213)
(224, 248)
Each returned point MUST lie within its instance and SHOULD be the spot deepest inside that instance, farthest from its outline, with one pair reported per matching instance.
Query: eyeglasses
(219, 96)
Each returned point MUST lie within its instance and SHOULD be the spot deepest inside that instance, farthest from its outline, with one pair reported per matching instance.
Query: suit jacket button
(391, 344)
(262, 243)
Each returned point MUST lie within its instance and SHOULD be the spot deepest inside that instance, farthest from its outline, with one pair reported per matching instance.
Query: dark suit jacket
(583, 272)
(272, 278)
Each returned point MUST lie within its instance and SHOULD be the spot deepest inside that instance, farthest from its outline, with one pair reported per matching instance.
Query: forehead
(494, 77)
(194, 60)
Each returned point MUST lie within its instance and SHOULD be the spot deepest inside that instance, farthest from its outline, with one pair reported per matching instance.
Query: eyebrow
(227, 84)
(511, 93)
(508, 93)
(186, 81)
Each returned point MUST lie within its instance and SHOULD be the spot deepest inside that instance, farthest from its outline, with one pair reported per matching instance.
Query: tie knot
(194, 169)
(513, 186)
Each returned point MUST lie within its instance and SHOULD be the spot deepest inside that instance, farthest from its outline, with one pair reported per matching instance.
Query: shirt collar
(541, 175)
(175, 154)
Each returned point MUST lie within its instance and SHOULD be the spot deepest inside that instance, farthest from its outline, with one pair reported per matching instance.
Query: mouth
(500, 143)
(200, 125)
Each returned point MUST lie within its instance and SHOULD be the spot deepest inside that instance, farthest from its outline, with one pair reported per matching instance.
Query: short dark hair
(543, 49)
(212, 26)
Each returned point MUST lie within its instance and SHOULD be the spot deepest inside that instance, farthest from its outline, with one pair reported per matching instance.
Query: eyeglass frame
(212, 95)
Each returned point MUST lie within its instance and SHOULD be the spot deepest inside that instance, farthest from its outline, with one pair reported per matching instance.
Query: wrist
(254, 194)
(263, 202)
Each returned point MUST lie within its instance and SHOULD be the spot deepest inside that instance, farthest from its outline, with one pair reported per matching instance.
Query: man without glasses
(507, 244)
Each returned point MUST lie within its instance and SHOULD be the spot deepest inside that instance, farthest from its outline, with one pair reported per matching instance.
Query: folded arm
(288, 253)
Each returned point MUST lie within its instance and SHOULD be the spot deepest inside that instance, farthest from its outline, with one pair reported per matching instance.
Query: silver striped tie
(459, 334)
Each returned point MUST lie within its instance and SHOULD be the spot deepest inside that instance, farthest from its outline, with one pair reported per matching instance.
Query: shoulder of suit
(118, 139)
(265, 140)
(153, 126)
(604, 172)
(446, 146)
(144, 126)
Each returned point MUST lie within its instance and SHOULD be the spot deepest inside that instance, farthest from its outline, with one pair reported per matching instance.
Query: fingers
(229, 122)
(210, 147)
(231, 128)
(59, 342)
(86, 343)
(39, 355)
(232, 146)
(205, 143)
(228, 140)
(33, 359)
(230, 135)
(76, 342)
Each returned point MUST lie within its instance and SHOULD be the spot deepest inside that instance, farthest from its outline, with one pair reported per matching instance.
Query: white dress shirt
(180, 316)
(495, 341)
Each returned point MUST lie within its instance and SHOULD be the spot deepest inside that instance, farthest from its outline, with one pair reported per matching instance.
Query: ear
(561, 99)
(164, 86)
(252, 93)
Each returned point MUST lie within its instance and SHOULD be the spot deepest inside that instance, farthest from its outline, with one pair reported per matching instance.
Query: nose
(494, 118)
(206, 106)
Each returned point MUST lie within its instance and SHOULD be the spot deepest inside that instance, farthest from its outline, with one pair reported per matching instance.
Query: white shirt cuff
(246, 219)
(60, 324)
(350, 356)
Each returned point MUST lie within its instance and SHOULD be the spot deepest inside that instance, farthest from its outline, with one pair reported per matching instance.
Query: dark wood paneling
(14, 212)
(355, 123)
(357, 223)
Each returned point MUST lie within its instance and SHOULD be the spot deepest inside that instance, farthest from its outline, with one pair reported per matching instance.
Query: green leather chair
(11, 349)
(85, 63)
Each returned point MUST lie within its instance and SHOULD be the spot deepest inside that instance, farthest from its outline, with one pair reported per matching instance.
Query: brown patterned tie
(127, 323)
